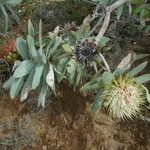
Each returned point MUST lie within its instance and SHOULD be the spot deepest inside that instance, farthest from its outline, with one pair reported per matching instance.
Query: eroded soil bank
(66, 124)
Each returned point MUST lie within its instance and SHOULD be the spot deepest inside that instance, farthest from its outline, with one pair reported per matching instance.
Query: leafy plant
(122, 93)
(36, 70)
(83, 55)
(6, 10)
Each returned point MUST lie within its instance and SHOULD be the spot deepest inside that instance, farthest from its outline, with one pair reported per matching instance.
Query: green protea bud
(123, 98)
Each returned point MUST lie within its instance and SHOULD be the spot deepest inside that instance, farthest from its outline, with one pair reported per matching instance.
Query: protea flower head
(123, 98)
(85, 51)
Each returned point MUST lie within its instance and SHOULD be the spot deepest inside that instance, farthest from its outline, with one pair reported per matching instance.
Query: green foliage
(37, 68)
(141, 9)
(5, 7)
(103, 84)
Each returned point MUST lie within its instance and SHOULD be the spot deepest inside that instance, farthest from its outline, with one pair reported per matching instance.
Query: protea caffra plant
(85, 51)
(122, 94)
(123, 98)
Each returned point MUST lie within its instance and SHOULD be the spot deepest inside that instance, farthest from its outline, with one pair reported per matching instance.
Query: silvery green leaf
(22, 48)
(37, 76)
(16, 64)
(9, 82)
(103, 41)
(23, 69)
(91, 85)
(13, 2)
(97, 104)
(30, 28)
(137, 69)
(41, 52)
(67, 48)
(103, 2)
(80, 73)
(119, 11)
(27, 86)
(143, 78)
(42, 95)
(14, 15)
(6, 18)
(72, 66)
(16, 87)
(43, 87)
(62, 67)
(141, 56)
(57, 42)
(50, 78)
(32, 49)
(118, 71)
(107, 77)
(126, 62)
(147, 93)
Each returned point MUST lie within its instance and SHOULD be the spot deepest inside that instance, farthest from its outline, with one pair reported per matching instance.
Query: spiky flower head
(70, 26)
(123, 98)
(85, 51)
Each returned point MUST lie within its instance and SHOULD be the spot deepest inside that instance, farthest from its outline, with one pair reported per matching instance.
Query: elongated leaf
(72, 66)
(143, 78)
(41, 52)
(14, 15)
(6, 18)
(27, 86)
(50, 78)
(97, 104)
(13, 2)
(42, 95)
(103, 41)
(92, 85)
(119, 11)
(67, 48)
(107, 77)
(53, 49)
(16, 87)
(37, 75)
(16, 64)
(62, 68)
(147, 93)
(44, 88)
(141, 56)
(32, 49)
(22, 48)
(103, 2)
(137, 69)
(126, 62)
(40, 36)
(23, 69)
(80, 74)
(8, 83)
(118, 71)
(30, 28)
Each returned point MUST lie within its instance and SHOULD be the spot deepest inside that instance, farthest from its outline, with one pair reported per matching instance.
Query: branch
(105, 62)
(104, 27)
(109, 9)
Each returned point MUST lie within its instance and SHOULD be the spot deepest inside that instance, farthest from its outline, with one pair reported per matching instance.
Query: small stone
(44, 147)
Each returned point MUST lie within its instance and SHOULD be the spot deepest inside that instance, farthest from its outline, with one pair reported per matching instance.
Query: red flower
(9, 46)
